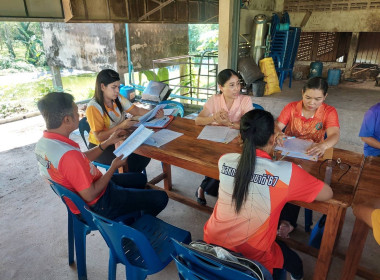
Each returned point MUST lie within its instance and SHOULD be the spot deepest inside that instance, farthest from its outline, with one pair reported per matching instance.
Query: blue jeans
(125, 194)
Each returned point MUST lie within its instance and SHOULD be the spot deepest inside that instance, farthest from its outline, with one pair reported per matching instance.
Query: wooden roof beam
(156, 9)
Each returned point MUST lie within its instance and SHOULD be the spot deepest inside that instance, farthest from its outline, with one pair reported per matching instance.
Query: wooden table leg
(333, 220)
(355, 249)
(340, 226)
(167, 170)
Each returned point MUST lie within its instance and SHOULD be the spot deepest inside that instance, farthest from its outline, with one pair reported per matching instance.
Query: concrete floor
(33, 232)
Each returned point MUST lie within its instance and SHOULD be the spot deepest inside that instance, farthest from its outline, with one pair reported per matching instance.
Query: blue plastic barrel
(128, 92)
(316, 69)
(333, 76)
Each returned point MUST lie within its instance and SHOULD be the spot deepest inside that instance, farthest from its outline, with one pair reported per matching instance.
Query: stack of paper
(162, 137)
(297, 148)
(221, 134)
(158, 123)
(133, 141)
(150, 115)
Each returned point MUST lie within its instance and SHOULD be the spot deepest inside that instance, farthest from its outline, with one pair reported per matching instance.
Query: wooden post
(57, 79)
(225, 33)
(351, 57)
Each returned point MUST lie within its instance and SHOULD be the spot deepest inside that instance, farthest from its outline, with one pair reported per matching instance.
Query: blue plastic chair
(192, 265)
(257, 106)
(144, 247)
(171, 104)
(80, 225)
(78, 228)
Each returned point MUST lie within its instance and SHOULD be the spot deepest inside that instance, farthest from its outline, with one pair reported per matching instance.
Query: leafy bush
(5, 62)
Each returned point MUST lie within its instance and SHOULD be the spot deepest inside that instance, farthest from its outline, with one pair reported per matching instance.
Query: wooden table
(368, 193)
(202, 157)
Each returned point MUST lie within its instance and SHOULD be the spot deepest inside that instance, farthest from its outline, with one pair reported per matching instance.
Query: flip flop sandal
(200, 201)
(285, 229)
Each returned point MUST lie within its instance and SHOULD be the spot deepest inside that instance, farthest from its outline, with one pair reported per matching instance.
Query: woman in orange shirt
(253, 190)
(309, 119)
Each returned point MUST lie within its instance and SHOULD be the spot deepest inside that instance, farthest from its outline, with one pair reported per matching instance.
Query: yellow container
(270, 76)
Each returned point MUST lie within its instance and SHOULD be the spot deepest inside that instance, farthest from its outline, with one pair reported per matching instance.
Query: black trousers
(136, 163)
(292, 263)
(210, 186)
(290, 213)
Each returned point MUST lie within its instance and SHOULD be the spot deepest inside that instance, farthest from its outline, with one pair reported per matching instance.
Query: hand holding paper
(133, 141)
(151, 114)
(118, 162)
(297, 148)
(317, 149)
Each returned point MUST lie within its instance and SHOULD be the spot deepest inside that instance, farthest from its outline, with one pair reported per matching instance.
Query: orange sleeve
(285, 114)
(303, 186)
(95, 119)
(75, 168)
(331, 118)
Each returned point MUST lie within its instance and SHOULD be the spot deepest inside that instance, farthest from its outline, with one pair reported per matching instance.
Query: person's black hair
(106, 77)
(225, 75)
(316, 83)
(256, 128)
(54, 106)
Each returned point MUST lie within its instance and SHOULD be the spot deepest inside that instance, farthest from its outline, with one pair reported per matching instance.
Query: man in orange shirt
(61, 160)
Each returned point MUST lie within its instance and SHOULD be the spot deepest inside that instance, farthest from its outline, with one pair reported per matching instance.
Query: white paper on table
(232, 134)
(133, 141)
(150, 115)
(168, 112)
(297, 148)
(158, 123)
(162, 137)
(214, 133)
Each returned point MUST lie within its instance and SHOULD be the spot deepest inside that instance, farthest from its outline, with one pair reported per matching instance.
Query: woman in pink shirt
(225, 108)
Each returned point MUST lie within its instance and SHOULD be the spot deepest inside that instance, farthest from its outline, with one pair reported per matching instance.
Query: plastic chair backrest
(63, 192)
(140, 252)
(257, 106)
(171, 104)
(84, 127)
(207, 267)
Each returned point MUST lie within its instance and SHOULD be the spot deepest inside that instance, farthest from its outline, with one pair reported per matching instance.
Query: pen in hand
(288, 137)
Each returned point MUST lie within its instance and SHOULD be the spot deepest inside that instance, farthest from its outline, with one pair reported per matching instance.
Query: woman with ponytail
(253, 189)
(106, 114)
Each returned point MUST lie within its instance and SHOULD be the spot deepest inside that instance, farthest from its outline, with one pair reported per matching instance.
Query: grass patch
(23, 97)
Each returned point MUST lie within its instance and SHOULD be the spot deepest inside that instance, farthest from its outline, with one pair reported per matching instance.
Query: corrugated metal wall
(369, 48)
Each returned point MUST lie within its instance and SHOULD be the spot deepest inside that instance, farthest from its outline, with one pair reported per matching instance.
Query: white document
(297, 148)
(133, 141)
(162, 137)
(232, 134)
(150, 115)
(158, 123)
(168, 112)
(221, 134)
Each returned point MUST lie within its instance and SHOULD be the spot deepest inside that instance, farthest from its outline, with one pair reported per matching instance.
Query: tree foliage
(25, 34)
(203, 37)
